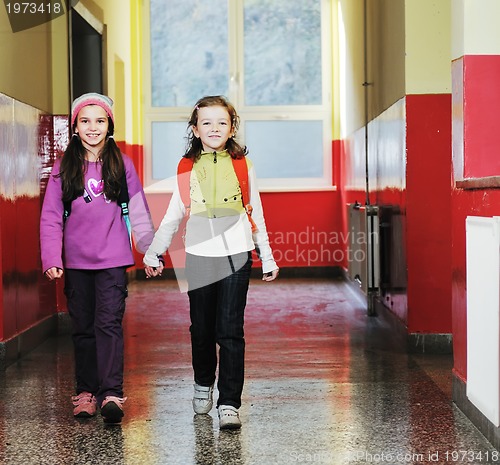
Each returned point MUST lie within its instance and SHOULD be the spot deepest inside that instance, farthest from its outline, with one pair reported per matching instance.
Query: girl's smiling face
(213, 128)
(92, 126)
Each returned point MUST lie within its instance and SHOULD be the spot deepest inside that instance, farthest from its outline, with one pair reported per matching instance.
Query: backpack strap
(68, 203)
(67, 209)
(241, 170)
(123, 199)
(183, 179)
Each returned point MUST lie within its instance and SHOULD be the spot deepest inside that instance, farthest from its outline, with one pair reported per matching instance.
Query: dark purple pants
(96, 304)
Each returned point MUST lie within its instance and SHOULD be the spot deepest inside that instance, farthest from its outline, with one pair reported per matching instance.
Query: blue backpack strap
(67, 209)
(123, 197)
(123, 200)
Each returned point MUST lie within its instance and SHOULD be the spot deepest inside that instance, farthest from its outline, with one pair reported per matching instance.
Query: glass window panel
(195, 47)
(286, 149)
(189, 51)
(169, 145)
(282, 42)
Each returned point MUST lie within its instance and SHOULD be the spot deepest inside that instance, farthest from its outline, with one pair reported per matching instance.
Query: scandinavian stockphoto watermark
(394, 457)
(307, 247)
(25, 15)
(302, 246)
(312, 247)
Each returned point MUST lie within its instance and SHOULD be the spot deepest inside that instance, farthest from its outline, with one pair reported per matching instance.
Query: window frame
(236, 94)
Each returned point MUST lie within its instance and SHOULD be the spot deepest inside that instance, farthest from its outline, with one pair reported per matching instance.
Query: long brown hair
(195, 146)
(74, 166)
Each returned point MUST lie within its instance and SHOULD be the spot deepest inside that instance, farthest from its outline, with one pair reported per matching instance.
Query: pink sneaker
(112, 409)
(85, 405)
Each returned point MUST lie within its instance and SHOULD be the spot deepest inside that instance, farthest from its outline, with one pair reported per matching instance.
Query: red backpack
(241, 171)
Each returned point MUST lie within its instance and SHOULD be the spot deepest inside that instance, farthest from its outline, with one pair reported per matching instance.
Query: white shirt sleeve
(260, 238)
(168, 227)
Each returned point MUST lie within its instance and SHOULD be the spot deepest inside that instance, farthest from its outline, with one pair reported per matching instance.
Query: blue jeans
(96, 304)
(217, 316)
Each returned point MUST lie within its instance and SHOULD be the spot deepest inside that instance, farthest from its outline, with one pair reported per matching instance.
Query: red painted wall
(53, 142)
(481, 99)
(475, 114)
(428, 185)
(26, 297)
(2, 300)
(410, 176)
(303, 227)
(136, 153)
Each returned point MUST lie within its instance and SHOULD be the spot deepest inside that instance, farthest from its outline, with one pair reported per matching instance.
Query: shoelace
(202, 392)
(82, 398)
(228, 412)
(117, 400)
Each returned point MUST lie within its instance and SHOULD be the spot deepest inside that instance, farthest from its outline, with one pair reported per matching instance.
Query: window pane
(189, 51)
(286, 149)
(282, 40)
(169, 144)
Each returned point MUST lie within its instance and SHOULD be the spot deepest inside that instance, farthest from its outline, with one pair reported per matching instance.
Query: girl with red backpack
(225, 223)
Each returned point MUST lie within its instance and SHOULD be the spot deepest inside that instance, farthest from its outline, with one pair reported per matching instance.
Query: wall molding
(20, 345)
(488, 182)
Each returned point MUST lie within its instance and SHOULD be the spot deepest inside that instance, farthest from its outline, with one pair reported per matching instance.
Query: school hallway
(325, 383)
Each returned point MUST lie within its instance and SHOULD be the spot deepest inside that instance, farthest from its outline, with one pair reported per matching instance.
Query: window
(271, 58)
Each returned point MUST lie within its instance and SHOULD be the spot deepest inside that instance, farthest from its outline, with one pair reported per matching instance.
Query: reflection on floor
(324, 384)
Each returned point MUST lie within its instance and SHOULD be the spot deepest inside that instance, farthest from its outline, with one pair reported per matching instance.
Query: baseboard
(18, 346)
(422, 343)
(64, 324)
(485, 426)
(416, 343)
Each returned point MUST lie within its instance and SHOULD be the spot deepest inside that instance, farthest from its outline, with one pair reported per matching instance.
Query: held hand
(54, 273)
(271, 276)
(152, 272)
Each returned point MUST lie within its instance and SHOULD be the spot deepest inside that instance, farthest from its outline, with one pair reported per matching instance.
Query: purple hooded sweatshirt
(95, 235)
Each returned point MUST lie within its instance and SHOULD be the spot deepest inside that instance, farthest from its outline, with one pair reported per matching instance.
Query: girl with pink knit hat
(84, 236)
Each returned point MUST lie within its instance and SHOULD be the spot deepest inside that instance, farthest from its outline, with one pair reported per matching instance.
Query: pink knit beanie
(92, 98)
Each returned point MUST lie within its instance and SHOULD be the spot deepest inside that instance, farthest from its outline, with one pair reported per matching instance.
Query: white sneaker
(229, 417)
(202, 398)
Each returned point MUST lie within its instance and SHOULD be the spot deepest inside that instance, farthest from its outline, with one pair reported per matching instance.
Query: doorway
(86, 57)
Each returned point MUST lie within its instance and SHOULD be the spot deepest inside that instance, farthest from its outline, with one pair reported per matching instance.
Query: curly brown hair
(195, 147)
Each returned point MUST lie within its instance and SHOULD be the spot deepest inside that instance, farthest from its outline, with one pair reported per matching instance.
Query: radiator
(363, 246)
(483, 291)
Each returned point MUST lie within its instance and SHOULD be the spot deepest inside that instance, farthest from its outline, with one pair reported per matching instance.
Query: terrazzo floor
(325, 384)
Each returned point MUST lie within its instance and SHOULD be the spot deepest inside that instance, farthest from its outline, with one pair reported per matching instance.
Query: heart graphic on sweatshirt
(95, 187)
